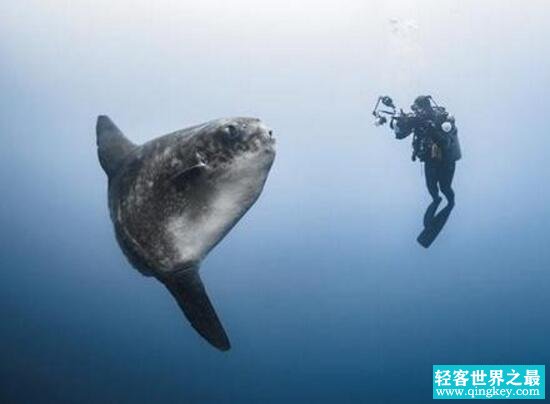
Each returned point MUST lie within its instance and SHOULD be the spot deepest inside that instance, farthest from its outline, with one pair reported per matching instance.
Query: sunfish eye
(231, 132)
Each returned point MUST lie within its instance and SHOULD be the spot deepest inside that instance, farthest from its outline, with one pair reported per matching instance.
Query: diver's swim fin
(434, 227)
(188, 290)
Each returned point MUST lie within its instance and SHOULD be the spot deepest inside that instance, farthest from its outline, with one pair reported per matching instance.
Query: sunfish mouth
(265, 135)
(270, 143)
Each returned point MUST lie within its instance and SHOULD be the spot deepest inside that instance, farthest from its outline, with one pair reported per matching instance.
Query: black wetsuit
(439, 176)
(439, 163)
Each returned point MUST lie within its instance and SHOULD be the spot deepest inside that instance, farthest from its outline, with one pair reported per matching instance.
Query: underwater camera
(379, 113)
(391, 114)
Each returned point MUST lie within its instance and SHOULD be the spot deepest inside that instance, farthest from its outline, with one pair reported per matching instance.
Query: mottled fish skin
(174, 198)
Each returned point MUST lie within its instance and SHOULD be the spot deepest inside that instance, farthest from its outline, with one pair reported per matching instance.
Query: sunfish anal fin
(188, 290)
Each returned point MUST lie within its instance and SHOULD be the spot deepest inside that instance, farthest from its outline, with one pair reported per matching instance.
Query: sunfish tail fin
(188, 290)
(112, 145)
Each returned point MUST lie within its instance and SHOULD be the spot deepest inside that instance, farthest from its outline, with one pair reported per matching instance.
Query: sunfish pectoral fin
(187, 288)
(188, 174)
(112, 145)
(184, 176)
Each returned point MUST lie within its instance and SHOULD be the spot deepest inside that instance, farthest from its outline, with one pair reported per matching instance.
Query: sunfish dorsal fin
(112, 145)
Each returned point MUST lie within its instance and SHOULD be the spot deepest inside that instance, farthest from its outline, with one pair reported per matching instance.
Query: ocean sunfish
(174, 198)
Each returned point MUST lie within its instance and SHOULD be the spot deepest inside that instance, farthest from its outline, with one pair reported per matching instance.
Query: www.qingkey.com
(487, 393)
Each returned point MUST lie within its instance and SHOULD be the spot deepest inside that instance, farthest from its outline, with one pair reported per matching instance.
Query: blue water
(323, 291)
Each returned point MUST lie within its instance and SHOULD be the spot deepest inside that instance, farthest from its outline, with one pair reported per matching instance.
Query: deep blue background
(322, 288)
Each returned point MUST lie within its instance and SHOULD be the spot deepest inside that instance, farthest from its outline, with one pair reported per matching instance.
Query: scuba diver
(435, 143)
